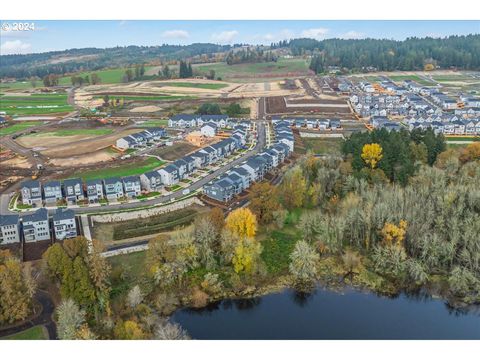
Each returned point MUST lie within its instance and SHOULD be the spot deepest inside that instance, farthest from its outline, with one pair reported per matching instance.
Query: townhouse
(36, 226)
(169, 175)
(31, 191)
(131, 186)
(73, 189)
(151, 181)
(9, 229)
(95, 191)
(113, 189)
(209, 129)
(64, 224)
(52, 191)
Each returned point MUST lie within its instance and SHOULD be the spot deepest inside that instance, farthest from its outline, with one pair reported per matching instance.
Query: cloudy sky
(60, 35)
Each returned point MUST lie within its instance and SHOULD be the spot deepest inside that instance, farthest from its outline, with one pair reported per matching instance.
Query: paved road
(5, 198)
(45, 318)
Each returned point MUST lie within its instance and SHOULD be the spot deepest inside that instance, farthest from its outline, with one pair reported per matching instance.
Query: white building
(36, 226)
(209, 129)
(64, 225)
(9, 229)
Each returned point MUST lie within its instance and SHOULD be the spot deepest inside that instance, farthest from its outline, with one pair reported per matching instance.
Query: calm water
(329, 315)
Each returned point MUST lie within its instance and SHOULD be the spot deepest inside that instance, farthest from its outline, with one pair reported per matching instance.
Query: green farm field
(209, 86)
(73, 132)
(35, 104)
(34, 333)
(415, 78)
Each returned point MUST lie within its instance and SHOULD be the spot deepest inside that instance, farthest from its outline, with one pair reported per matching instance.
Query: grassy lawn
(323, 145)
(257, 71)
(34, 333)
(277, 249)
(372, 78)
(209, 86)
(127, 270)
(18, 127)
(34, 104)
(415, 78)
(125, 170)
(73, 132)
(155, 123)
(446, 78)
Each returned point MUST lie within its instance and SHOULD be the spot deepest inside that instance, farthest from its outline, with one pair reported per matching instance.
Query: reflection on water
(323, 314)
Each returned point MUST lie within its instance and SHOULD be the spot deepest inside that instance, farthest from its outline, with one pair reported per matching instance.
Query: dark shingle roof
(39, 215)
(63, 214)
(6, 220)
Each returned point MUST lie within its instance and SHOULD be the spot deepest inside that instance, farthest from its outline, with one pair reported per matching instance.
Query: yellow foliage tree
(372, 154)
(242, 222)
(246, 255)
(393, 234)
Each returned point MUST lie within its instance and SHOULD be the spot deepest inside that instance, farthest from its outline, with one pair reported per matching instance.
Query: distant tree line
(250, 56)
(185, 70)
(462, 52)
(232, 110)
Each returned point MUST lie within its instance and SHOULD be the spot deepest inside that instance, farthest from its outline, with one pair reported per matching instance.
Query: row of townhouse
(455, 127)
(141, 139)
(310, 123)
(74, 190)
(38, 227)
(194, 120)
(239, 178)
(187, 165)
(443, 100)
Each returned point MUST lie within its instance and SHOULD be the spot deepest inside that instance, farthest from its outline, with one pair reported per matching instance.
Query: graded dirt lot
(148, 108)
(175, 151)
(82, 160)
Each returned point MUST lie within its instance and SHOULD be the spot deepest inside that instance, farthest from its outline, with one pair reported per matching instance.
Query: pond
(325, 314)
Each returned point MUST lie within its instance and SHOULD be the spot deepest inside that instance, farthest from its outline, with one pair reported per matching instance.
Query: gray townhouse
(268, 160)
(52, 191)
(200, 158)
(191, 163)
(211, 154)
(183, 121)
(243, 174)
(181, 165)
(237, 182)
(36, 226)
(220, 190)
(64, 224)
(151, 181)
(73, 189)
(94, 191)
(169, 175)
(113, 188)
(9, 229)
(32, 193)
(274, 155)
(131, 186)
(256, 167)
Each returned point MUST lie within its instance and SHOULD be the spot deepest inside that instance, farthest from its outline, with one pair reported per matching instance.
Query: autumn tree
(134, 297)
(69, 319)
(293, 188)
(263, 201)
(303, 264)
(393, 234)
(205, 236)
(217, 218)
(372, 154)
(246, 256)
(170, 331)
(470, 153)
(128, 330)
(242, 222)
(17, 288)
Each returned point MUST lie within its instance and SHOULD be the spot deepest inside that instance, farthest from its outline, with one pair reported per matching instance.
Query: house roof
(184, 117)
(31, 184)
(133, 178)
(6, 220)
(72, 182)
(152, 174)
(170, 168)
(112, 180)
(39, 215)
(94, 182)
(63, 214)
(52, 183)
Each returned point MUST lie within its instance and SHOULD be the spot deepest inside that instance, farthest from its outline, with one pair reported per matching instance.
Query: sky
(61, 34)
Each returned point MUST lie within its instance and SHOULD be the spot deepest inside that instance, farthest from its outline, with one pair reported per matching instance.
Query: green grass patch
(447, 78)
(38, 332)
(276, 251)
(18, 127)
(415, 78)
(149, 195)
(34, 104)
(155, 123)
(120, 171)
(210, 86)
(73, 132)
(329, 146)
(127, 270)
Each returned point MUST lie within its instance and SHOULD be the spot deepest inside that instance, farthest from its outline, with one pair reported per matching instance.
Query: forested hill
(73, 60)
(462, 52)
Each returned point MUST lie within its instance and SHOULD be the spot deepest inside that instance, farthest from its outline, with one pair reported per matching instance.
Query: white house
(64, 224)
(36, 226)
(209, 129)
(9, 229)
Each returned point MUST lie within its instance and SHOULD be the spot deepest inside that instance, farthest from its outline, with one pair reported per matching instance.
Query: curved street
(5, 198)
